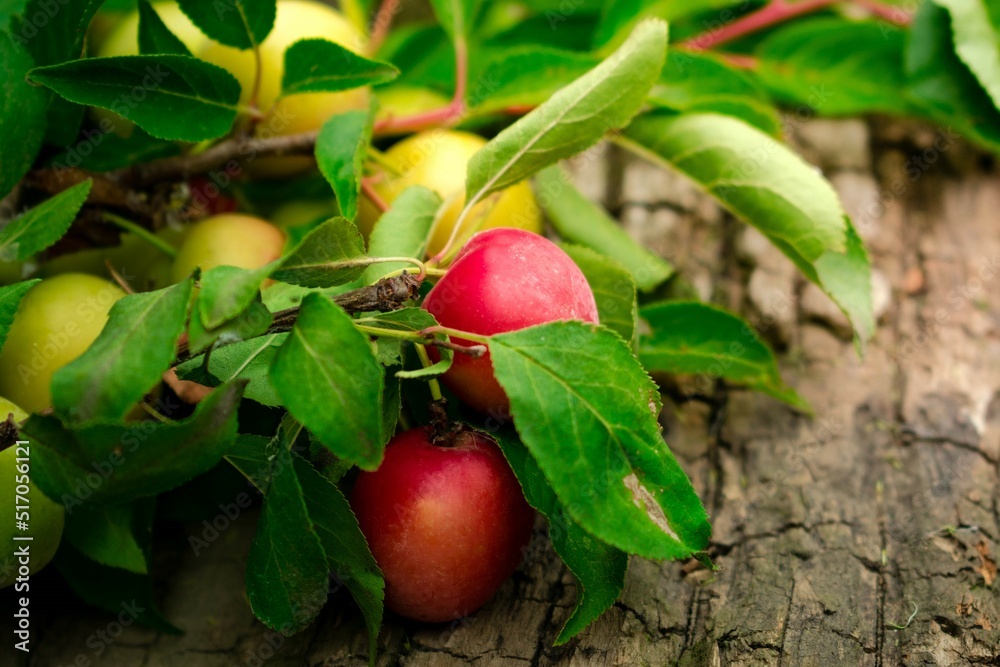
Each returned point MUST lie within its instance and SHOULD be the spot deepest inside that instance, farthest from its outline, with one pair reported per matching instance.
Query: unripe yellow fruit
(230, 239)
(45, 518)
(123, 40)
(437, 160)
(57, 320)
(295, 20)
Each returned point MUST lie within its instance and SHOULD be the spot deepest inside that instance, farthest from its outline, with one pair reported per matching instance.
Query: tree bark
(867, 535)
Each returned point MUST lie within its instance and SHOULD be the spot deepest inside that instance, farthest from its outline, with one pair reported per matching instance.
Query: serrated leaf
(131, 460)
(112, 589)
(340, 153)
(10, 298)
(104, 534)
(332, 254)
(287, 574)
(941, 86)
(768, 186)
(575, 118)
(154, 35)
(248, 360)
(182, 98)
(701, 82)
(409, 320)
(826, 63)
(330, 380)
(40, 227)
(599, 568)
(347, 552)
(694, 338)
(613, 288)
(322, 66)
(580, 221)
(587, 412)
(22, 114)
(240, 23)
(402, 231)
(135, 347)
(227, 291)
(975, 25)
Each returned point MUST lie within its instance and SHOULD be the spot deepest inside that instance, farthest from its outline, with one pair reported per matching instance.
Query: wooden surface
(865, 536)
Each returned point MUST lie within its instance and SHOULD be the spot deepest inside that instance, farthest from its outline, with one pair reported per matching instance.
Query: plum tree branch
(385, 295)
(779, 11)
(236, 150)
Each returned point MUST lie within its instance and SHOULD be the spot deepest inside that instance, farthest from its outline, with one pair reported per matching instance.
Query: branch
(231, 150)
(777, 11)
(383, 296)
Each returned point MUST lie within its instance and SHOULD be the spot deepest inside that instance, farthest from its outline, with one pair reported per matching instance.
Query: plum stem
(425, 361)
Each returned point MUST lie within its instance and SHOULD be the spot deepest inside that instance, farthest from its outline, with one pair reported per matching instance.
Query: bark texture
(867, 535)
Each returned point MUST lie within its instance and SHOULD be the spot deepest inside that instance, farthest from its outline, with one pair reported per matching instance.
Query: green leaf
(135, 347)
(613, 288)
(456, 16)
(286, 569)
(576, 117)
(226, 291)
(169, 96)
(10, 298)
(250, 455)
(847, 278)
(694, 338)
(529, 75)
(328, 377)
(578, 220)
(154, 35)
(587, 412)
(240, 23)
(252, 322)
(402, 231)
(332, 254)
(340, 153)
(701, 82)
(22, 114)
(941, 86)
(116, 462)
(827, 64)
(768, 186)
(112, 589)
(322, 66)
(599, 569)
(247, 360)
(53, 34)
(976, 28)
(104, 533)
(43, 225)
(347, 553)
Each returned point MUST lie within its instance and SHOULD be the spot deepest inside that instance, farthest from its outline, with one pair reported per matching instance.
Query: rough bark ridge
(868, 535)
